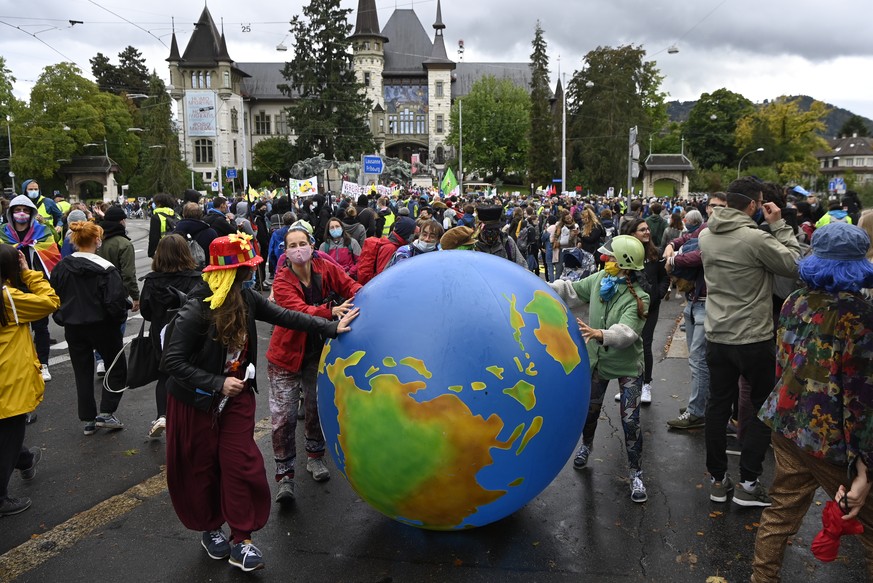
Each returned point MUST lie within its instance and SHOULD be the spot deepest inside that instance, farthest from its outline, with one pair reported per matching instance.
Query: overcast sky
(759, 48)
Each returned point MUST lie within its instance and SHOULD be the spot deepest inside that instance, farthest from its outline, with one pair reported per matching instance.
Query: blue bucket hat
(840, 241)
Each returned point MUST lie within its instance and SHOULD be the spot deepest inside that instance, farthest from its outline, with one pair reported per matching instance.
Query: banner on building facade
(200, 114)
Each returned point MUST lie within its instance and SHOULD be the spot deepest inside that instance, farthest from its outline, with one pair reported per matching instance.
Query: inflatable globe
(460, 392)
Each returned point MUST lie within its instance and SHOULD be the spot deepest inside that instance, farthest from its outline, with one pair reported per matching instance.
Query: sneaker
(90, 428)
(30, 418)
(285, 493)
(316, 467)
(718, 491)
(581, 459)
(246, 556)
(731, 429)
(108, 421)
(216, 544)
(757, 497)
(101, 369)
(638, 489)
(647, 393)
(158, 427)
(682, 325)
(11, 505)
(686, 421)
(46, 375)
(30, 472)
(618, 397)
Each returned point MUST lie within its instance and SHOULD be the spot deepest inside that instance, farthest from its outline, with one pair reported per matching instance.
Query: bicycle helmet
(628, 252)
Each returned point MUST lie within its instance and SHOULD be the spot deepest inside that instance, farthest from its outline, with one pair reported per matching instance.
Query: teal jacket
(621, 352)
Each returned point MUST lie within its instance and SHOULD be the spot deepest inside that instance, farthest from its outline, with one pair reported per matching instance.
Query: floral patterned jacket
(823, 399)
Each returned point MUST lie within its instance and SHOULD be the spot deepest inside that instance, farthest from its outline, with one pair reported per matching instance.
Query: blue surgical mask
(33, 194)
(336, 233)
(758, 216)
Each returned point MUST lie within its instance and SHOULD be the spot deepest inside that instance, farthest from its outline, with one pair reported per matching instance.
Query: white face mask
(423, 246)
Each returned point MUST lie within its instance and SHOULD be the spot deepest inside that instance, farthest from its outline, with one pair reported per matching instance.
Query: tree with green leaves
(9, 106)
(130, 75)
(496, 124)
(710, 132)
(617, 90)
(329, 109)
(855, 125)
(161, 168)
(541, 154)
(790, 137)
(68, 116)
(275, 157)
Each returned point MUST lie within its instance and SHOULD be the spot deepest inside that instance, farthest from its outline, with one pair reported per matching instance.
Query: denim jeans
(550, 268)
(695, 313)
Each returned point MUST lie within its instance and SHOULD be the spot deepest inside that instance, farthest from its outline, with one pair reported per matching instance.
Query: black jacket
(219, 222)
(656, 281)
(90, 289)
(199, 230)
(195, 359)
(156, 298)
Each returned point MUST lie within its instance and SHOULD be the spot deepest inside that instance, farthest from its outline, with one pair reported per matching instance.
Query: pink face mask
(21, 218)
(299, 255)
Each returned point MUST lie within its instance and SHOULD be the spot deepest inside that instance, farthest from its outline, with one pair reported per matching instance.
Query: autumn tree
(790, 137)
(496, 124)
(617, 90)
(329, 111)
(541, 154)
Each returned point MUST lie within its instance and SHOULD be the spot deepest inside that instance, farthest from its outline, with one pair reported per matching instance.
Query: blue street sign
(230, 173)
(373, 165)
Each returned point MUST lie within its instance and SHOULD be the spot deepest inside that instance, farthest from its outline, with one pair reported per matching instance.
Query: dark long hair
(630, 227)
(231, 318)
(10, 274)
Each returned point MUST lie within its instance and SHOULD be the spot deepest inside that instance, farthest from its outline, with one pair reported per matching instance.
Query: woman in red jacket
(305, 282)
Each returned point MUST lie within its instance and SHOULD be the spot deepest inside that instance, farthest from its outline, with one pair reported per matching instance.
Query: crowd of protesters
(771, 277)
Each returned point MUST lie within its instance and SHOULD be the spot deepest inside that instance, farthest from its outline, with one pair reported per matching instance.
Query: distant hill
(679, 110)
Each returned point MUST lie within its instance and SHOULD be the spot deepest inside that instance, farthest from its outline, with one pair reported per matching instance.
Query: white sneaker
(618, 397)
(318, 469)
(46, 375)
(647, 393)
(158, 427)
(101, 369)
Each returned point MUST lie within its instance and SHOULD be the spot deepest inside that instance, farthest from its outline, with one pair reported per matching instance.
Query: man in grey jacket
(739, 262)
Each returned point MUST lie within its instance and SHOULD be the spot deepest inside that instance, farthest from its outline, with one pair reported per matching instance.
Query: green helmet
(629, 252)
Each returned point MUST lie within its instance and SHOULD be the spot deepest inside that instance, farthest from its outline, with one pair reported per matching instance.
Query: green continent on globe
(427, 477)
(553, 332)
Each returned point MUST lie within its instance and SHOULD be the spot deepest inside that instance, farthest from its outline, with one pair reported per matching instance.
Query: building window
(420, 124)
(440, 120)
(440, 156)
(207, 176)
(203, 152)
(234, 120)
(208, 79)
(392, 124)
(439, 89)
(367, 45)
(200, 83)
(234, 154)
(193, 80)
(282, 123)
(262, 124)
(849, 161)
(226, 80)
(367, 79)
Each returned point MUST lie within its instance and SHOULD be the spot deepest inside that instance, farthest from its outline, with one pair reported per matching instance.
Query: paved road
(101, 510)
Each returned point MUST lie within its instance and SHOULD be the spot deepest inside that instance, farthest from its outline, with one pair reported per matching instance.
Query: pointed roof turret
(174, 50)
(222, 49)
(204, 46)
(438, 55)
(367, 23)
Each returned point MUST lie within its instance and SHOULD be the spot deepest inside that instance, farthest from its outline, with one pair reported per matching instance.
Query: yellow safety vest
(389, 222)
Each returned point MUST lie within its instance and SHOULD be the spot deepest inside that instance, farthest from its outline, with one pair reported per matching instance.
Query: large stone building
(225, 107)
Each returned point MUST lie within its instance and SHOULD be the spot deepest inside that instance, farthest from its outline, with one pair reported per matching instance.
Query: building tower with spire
(439, 82)
(368, 60)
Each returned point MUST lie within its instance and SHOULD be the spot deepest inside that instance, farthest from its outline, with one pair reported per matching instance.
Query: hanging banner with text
(200, 113)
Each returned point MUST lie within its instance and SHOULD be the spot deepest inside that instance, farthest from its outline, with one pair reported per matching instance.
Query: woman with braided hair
(215, 471)
(617, 312)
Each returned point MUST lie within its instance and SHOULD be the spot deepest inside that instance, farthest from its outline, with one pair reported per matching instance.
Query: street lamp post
(564, 137)
(740, 163)
(9, 138)
(461, 146)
